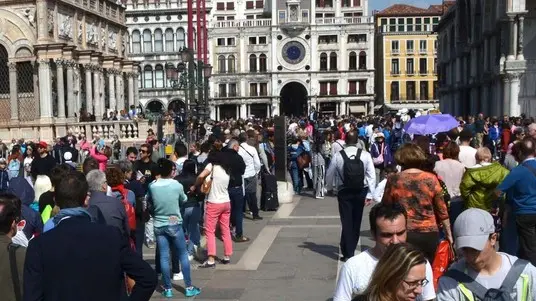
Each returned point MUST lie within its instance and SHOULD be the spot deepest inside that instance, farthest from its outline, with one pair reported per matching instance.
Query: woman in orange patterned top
(421, 195)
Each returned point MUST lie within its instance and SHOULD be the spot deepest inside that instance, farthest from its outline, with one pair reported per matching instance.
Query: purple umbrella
(431, 124)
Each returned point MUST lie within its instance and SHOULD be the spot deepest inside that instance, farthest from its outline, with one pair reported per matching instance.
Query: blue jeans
(236, 194)
(172, 235)
(190, 224)
(296, 179)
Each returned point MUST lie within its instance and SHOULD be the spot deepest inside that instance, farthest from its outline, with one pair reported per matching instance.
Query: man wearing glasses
(387, 226)
(43, 164)
(144, 170)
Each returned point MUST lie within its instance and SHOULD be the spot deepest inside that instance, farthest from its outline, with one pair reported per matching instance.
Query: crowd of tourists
(472, 186)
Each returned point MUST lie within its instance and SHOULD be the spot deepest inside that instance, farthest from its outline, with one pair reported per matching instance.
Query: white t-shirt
(219, 192)
(355, 275)
(467, 155)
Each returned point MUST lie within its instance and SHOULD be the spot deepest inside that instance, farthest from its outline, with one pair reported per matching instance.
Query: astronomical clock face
(293, 52)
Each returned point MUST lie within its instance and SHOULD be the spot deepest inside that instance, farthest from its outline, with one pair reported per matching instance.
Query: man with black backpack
(483, 273)
(356, 178)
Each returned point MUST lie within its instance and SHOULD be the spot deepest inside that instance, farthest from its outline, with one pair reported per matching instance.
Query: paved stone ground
(293, 255)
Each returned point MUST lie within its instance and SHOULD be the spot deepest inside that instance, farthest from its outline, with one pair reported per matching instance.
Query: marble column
(13, 91)
(118, 91)
(111, 88)
(243, 112)
(342, 107)
(506, 95)
(520, 33)
(130, 89)
(60, 87)
(136, 90)
(71, 108)
(45, 89)
(512, 40)
(515, 109)
(96, 94)
(89, 88)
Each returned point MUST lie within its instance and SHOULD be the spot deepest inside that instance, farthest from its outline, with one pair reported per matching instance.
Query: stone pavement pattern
(293, 255)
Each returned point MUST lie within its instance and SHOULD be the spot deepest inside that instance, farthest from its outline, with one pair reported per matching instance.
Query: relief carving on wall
(80, 31)
(112, 40)
(103, 37)
(50, 22)
(28, 14)
(65, 29)
(91, 34)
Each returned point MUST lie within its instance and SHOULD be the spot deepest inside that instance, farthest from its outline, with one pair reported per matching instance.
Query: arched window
(362, 60)
(4, 80)
(136, 41)
(221, 64)
(262, 62)
(352, 62)
(252, 63)
(148, 77)
(159, 76)
(158, 41)
(323, 61)
(180, 38)
(169, 40)
(333, 61)
(231, 64)
(147, 41)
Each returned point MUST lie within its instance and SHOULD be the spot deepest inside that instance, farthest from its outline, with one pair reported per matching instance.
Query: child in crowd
(4, 175)
(378, 192)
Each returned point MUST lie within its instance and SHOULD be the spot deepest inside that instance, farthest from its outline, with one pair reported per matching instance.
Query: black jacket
(112, 210)
(84, 261)
(42, 166)
(238, 167)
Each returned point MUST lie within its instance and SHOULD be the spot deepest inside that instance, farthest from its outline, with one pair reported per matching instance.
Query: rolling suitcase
(269, 200)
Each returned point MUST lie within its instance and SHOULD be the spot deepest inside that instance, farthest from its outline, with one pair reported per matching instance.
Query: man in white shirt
(388, 226)
(355, 186)
(253, 167)
(467, 153)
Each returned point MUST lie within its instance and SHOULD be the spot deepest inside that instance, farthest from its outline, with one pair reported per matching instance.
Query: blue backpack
(13, 168)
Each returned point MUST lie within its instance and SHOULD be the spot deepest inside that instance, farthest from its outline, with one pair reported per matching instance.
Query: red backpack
(131, 212)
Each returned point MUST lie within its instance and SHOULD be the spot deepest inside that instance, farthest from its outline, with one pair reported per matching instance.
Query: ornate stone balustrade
(128, 130)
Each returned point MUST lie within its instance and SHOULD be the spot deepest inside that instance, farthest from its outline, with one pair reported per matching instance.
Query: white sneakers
(177, 277)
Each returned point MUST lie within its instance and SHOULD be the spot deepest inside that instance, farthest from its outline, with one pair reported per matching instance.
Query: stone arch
(154, 104)
(24, 52)
(16, 31)
(293, 98)
(176, 104)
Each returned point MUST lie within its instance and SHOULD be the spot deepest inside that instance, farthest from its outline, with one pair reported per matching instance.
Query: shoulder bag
(207, 183)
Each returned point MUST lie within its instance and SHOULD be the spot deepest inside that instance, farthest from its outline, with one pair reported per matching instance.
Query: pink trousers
(218, 214)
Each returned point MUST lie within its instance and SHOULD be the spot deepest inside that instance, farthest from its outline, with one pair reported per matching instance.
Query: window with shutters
(222, 90)
(231, 64)
(352, 62)
(259, 4)
(262, 63)
(230, 5)
(136, 41)
(423, 66)
(252, 40)
(250, 5)
(346, 3)
(352, 87)
(221, 64)
(362, 86)
(158, 41)
(333, 61)
(180, 38)
(147, 41)
(169, 40)
(410, 91)
(262, 40)
(333, 88)
(410, 67)
(232, 90)
(323, 61)
(148, 77)
(395, 91)
(263, 91)
(362, 60)
(220, 42)
(253, 89)
(252, 63)
(159, 76)
(424, 90)
(357, 3)
(220, 6)
(230, 41)
(323, 88)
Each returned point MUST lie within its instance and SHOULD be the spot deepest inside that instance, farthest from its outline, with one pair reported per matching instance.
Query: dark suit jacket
(112, 209)
(80, 260)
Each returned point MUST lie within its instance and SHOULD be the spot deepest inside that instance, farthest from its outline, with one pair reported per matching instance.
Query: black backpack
(353, 171)
(493, 294)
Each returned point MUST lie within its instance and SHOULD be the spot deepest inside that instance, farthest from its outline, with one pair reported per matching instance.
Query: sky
(381, 4)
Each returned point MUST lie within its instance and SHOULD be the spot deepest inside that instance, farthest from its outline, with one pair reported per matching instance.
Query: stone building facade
(282, 57)
(157, 32)
(62, 59)
(487, 58)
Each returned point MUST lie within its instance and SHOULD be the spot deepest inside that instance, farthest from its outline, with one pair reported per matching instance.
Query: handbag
(207, 184)
(378, 160)
(303, 160)
(444, 257)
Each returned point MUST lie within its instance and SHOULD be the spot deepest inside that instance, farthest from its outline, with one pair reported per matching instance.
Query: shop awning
(414, 106)
(357, 108)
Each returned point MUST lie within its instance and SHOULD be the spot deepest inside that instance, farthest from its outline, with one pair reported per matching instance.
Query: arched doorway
(154, 107)
(293, 99)
(177, 106)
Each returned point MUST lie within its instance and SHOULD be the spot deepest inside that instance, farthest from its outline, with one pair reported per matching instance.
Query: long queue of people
(62, 210)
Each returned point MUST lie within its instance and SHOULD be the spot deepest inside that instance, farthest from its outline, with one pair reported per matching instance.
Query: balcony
(423, 72)
(395, 51)
(410, 51)
(242, 23)
(410, 72)
(423, 51)
(225, 94)
(344, 20)
(107, 9)
(395, 73)
(424, 28)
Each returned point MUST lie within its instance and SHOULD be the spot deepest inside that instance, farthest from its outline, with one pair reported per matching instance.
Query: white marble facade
(487, 58)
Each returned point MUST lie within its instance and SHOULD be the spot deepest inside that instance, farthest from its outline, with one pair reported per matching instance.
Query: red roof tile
(408, 10)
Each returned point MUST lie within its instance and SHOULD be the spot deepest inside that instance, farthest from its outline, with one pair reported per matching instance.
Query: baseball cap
(42, 144)
(472, 229)
(68, 156)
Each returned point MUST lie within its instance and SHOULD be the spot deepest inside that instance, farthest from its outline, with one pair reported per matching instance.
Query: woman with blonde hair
(400, 275)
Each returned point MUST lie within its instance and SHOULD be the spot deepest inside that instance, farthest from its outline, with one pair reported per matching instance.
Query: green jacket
(479, 184)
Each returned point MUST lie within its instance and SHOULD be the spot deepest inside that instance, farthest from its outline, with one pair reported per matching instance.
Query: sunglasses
(143, 151)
